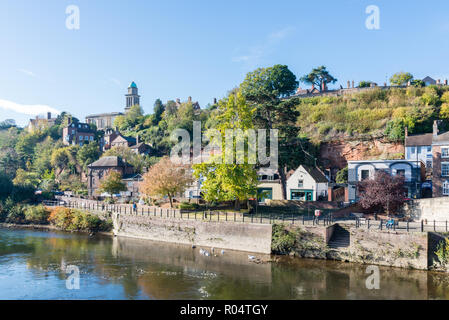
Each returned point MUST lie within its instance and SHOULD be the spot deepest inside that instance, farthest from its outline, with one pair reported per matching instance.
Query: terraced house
(440, 147)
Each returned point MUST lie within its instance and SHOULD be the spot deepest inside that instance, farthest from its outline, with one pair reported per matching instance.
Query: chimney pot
(406, 132)
(190, 99)
(349, 84)
(445, 82)
(353, 83)
(48, 115)
(215, 100)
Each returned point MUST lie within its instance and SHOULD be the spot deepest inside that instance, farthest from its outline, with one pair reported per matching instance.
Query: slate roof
(316, 174)
(111, 161)
(419, 140)
(441, 138)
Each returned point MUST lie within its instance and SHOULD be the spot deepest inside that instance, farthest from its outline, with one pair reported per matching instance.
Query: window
(400, 172)
(365, 174)
(446, 188)
(428, 163)
(444, 152)
(429, 149)
(300, 183)
(86, 138)
(73, 131)
(445, 169)
(81, 138)
(91, 138)
(413, 149)
(419, 149)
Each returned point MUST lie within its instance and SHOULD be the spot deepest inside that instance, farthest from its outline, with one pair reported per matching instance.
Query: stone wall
(428, 209)
(388, 248)
(251, 237)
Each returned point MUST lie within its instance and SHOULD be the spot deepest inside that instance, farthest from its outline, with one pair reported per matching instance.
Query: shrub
(77, 220)
(342, 176)
(15, 214)
(442, 251)
(283, 241)
(36, 214)
(188, 206)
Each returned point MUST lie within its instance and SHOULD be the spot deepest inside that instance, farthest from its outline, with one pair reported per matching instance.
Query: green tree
(87, 154)
(158, 111)
(318, 77)
(112, 183)
(401, 78)
(6, 186)
(26, 178)
(222, 181)
(128, 155)
(264, 90)
(342, 176)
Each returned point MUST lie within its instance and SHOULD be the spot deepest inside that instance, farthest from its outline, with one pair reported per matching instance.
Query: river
(37, 265)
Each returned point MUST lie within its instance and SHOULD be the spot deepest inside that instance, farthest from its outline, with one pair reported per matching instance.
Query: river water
(39, 265)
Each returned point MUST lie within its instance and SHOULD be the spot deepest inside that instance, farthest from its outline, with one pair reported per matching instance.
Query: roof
(111, 161)
(316, 174)
(132, 85)
(104, 114)
(133, 177)
(441, 138)
(419, 140)
(428, 79)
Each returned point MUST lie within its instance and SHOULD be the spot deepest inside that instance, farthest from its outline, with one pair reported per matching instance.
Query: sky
(203, 49)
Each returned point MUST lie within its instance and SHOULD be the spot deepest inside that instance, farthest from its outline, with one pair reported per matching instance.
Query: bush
(15, 214)
(443, 251)
(188, 206)
(6, 186)
(283, 241)
(342, 176)
(77, 220)
(36, 214)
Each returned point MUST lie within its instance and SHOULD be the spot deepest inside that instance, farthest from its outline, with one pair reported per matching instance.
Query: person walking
(134, 207)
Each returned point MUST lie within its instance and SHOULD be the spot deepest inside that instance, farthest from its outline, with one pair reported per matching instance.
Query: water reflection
(32, 266)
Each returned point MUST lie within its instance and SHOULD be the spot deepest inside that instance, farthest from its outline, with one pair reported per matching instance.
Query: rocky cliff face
(336, 154)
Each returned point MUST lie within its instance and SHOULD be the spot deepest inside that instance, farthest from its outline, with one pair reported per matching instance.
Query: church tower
(132, 98)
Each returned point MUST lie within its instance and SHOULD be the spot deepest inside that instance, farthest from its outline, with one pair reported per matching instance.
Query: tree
(229, 181)
(166, 179)
(318, 77)
(365, 84)
(401, 78)
(8, 123)
(26, 178)
(112, 183)
(383, 192)
(342, 175)
(6, 186)
(264, 89)
(158, 111)
(87, 154)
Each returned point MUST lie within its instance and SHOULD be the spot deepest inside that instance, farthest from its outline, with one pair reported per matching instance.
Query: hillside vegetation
(380, 113)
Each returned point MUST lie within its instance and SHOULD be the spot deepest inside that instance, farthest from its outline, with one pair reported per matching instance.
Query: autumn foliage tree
(166, 178)
(112, 183)
(384, 192)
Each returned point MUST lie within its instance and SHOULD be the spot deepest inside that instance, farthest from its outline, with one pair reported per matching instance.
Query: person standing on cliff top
(134, 207)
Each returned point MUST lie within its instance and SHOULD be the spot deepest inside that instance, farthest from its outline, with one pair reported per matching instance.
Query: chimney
(349, 84)
(445, 82)
(435, 128)
(385, 84)
(215, 100)
(48, 115)
(190, 99)
(313, 86)
(353, 83)
(178, 101)
(323, 86)
(406, 132)
(137, 139)
(438, 81)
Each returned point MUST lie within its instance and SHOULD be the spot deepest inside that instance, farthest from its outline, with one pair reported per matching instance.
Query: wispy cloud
(28, 109)
(28, 73)
(255, 53)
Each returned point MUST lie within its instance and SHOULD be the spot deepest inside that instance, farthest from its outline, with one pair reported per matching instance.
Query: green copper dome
(132, 85)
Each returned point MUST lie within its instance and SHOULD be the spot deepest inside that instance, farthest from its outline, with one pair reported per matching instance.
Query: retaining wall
(251, 237)
(429, 209)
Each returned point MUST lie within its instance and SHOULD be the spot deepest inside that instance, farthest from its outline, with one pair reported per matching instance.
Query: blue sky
(176, 49)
